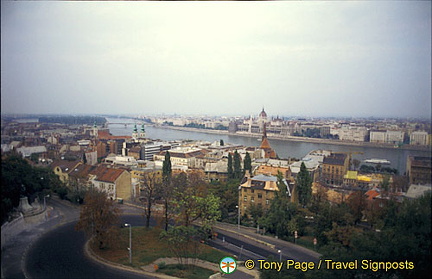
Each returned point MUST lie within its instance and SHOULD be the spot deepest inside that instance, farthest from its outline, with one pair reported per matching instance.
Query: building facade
(259, 191)
(419, 138)
(334, 168)
(419, 170)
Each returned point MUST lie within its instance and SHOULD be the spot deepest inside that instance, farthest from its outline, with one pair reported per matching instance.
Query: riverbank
(297, 139)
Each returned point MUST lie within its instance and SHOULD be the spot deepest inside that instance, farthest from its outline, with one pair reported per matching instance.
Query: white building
(378, 136)
(419, 138)
(181, 156)
(394, 136)
(353, 133)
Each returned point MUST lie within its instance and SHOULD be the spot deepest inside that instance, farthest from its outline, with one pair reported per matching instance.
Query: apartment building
(419, 170)
(259, 190)
(334, 168)
(419, 138)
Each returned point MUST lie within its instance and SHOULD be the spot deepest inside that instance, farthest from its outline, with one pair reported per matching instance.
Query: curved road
(64, 247)
(59, 253)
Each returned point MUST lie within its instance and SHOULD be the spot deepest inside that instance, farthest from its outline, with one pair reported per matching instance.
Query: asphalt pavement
(53, 249)
(14, 251)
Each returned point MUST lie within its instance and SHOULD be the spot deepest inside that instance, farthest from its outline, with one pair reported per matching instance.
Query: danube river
(284, 148)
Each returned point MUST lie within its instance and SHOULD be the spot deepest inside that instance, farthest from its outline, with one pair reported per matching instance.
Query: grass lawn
(147, 247)
(178, 270)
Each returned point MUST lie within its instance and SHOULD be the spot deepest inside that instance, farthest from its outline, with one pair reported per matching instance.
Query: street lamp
(238, 223)
(280, 255)
(130, 242)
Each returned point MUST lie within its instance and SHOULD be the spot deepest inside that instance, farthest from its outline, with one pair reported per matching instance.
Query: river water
(284, 149)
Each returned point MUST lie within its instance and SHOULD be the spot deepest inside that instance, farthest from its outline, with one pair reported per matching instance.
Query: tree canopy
(304, 185)
(20, 179)
(99, 218)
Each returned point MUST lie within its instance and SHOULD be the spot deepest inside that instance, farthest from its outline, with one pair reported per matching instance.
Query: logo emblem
(228, 265)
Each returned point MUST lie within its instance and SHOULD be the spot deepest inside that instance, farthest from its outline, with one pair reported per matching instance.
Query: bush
(62, 192)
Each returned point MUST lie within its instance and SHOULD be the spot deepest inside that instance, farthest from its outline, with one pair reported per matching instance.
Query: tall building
(419, 170)
(334, 168)
(142, 134)
(135, 132)
(419, 138)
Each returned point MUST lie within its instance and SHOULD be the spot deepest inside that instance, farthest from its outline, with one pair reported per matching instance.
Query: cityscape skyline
(314, 59)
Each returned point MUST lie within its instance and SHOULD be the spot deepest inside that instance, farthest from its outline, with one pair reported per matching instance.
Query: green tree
(34, 157)
(248, 163)
(193, 202)
(166, 167)
(166, 189)
(256, 212)
(20, 179)
(237, 165)
(99, 218)
(281, 211)
(228, 193)
(304, 186)
(404, 237)
(230, 166)
(183, 242)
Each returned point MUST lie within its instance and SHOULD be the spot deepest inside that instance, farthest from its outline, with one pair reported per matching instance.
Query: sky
(294, 58)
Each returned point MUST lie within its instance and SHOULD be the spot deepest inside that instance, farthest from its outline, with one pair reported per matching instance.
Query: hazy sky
(338, 58)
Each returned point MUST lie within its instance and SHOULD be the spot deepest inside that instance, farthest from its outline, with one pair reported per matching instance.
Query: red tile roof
(371, 194)
(105, 174)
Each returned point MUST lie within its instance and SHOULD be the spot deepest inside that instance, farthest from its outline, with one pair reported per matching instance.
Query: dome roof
(263, 113)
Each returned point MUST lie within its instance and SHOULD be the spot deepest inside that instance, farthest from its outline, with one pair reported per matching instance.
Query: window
(252, 191)
(245, 198)
(252, 199)
(245, 190)
(267, 202)
(259, 195)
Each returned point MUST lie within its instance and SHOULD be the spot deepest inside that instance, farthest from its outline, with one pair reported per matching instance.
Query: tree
(256, 212)
(248, 163)
(20, 179)
(304, 185)
(166, 192)
(237, 165)
(183, 242)
(357, 204)
(230, 166)
(221, 142)
(166, 166)
(149, 183)
(385, 185)
(193, 202)
(99, 218)
(281, 211)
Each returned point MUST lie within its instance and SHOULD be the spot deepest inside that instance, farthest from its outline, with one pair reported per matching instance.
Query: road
(56, 249)
(60, 254)
(262, 247)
